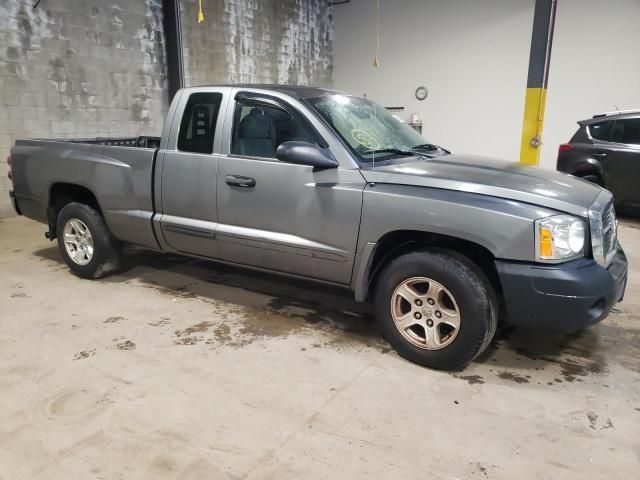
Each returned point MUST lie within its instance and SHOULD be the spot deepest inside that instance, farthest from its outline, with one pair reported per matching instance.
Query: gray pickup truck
(319, 185)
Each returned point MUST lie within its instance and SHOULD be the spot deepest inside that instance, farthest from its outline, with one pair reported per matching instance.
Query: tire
(593, 178)
(104, 252)
(462, 287)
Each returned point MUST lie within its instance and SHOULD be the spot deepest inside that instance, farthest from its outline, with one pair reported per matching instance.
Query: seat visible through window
(256, 135)
(259, 129)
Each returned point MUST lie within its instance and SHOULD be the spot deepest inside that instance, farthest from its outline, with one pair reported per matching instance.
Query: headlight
(559, 238)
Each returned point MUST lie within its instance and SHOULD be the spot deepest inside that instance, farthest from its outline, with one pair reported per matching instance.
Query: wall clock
(422, 93)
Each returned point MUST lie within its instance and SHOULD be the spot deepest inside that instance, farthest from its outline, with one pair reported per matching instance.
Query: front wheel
(86, 244)
(436, 308)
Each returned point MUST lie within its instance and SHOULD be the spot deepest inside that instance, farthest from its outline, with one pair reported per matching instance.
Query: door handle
(240, 181)
(600, 155)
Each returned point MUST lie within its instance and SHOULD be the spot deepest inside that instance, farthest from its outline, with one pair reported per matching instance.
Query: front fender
(503, 227)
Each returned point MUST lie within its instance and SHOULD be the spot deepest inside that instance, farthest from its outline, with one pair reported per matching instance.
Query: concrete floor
(184, 369)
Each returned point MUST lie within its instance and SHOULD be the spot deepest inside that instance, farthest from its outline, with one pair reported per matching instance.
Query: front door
(189, 210)
(282, 216)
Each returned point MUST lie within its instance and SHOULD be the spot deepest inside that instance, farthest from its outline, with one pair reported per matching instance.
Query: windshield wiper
(431, 147)
(398, 151)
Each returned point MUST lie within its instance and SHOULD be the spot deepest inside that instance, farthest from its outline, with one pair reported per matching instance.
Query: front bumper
(571, 295)
(14, 202)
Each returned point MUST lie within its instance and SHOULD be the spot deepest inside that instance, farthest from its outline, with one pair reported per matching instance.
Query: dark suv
(606, 150)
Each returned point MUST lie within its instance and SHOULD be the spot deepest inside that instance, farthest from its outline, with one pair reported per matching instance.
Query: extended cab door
(187, 172)
(281, 216)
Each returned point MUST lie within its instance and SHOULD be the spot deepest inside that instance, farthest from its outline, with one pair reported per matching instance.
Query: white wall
(595, 65)
(473, 56)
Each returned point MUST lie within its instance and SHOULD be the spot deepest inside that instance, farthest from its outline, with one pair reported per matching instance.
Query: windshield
(370, 130)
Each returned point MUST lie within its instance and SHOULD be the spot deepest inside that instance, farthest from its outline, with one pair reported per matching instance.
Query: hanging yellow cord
(200, 12)
(376, 60)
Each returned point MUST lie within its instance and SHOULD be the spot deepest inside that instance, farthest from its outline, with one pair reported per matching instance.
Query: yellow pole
(532, 124)
(536, 96)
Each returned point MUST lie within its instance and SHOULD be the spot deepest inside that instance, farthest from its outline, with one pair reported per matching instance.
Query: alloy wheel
(78, 241)
(425, 313)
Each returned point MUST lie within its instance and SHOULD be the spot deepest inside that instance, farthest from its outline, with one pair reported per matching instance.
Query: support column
(539, 59)
(173, 45)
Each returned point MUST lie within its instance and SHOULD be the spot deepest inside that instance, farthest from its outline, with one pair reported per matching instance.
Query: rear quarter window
(198, 124)
(601, 131)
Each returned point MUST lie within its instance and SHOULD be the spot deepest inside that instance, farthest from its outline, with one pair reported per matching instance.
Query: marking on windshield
(365, 139)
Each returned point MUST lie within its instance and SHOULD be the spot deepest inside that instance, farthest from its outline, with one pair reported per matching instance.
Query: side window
(198, 124)
(601, 131)
(627, 131)
(259, 129)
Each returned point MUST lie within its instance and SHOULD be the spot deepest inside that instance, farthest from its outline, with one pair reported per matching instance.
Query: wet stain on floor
(180, 291)
(187, 336)
(271, 314)
(593, 418)
(125, 344)
(161, 322)
(513, 377)
(575, 354)
(572, 368)
(84, 354)
(480, 468)
(595, 424)
(189, 341)
(471, 379)
(197, 328)
(113, 319)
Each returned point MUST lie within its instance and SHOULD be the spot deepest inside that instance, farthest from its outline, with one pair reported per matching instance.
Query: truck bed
(137, 142)
(118, 172)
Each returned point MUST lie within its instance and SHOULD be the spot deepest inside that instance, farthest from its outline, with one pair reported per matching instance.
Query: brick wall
(79, 69)
(72, 68)
(258, 41)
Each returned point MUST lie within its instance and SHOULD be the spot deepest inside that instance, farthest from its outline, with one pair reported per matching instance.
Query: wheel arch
(589, 166)
(398, 242)
(63, 193)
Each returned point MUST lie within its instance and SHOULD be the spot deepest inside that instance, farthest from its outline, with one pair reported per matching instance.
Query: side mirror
(305, 153)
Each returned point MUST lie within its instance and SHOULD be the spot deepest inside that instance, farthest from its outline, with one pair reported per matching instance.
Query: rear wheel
(436, 308)
(85, 242)
(593, 178)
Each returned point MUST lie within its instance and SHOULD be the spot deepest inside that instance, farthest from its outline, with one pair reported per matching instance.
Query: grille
(602, 220)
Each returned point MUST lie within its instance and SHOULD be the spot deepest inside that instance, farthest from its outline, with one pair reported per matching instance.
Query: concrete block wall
(79, 69)
(258, 41)
(91, 68)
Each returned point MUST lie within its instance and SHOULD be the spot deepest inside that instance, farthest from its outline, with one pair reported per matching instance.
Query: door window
(627, 131)
(198, 124)
(259, 129)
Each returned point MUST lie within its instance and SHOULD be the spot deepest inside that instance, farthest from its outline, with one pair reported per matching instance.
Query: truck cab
(225, 194)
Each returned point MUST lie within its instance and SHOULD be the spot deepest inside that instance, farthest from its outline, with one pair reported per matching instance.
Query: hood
(485, 176)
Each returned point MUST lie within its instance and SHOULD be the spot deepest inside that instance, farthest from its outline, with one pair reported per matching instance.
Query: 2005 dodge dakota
(316, 184)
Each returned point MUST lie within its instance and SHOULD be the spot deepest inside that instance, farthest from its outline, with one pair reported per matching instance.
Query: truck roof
(296, 91)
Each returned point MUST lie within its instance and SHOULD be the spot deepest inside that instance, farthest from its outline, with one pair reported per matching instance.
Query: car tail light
(565, 147)
(9, 172)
